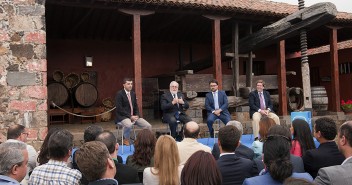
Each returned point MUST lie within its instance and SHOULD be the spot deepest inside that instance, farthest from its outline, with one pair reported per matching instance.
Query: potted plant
(346, 106)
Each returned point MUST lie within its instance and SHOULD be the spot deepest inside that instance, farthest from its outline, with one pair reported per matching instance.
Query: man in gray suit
(339, 174)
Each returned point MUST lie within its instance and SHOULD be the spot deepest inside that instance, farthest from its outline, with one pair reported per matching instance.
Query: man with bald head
(189, 145)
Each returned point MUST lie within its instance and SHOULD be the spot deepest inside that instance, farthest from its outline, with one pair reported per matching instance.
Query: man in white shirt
(339, 174)
(18, 133)
(189, 145)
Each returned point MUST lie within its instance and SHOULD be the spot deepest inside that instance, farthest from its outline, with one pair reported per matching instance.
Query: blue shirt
(5, 180)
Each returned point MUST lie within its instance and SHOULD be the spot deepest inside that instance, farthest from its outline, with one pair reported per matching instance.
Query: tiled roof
(250, 6)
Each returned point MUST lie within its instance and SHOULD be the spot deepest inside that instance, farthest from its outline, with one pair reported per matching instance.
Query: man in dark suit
(216, 104)
(173, 106)
(260, 105)
(127, 110)
(339, 174)
(124, 174)
(327, 154)
(233, 169)
(241, 151)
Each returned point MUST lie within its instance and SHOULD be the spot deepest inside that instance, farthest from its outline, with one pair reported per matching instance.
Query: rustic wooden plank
(137, 59)
(217, 52)
(249, 66)
(308, 18)
(334, 61)
(281, 78)
(200, 82)
(236, 59)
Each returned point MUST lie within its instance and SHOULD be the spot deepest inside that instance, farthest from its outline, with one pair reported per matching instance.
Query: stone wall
(23, 66)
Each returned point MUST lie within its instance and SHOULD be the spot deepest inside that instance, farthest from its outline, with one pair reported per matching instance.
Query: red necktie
(129, 99)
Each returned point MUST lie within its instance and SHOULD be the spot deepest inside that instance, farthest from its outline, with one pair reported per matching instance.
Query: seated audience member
(13, 162)
(125, 174)
(201, 169)
(18, 133)
(302, 138)
(260, 105)
(166, 168)
(339, 174)
(264, 125)
(296, 161)
(143, 155)
(241, 151)
(278, 167)
(96, 164)
(56, 171)
(173, 106)
(327, 154)
(233, 169)
(189, 145)
(297, 181)
(216, 104)
(43, 156)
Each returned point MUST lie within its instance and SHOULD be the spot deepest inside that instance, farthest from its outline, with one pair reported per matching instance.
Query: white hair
(10, 155)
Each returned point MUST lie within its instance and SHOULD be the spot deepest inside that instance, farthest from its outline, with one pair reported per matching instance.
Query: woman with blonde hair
(166, 170)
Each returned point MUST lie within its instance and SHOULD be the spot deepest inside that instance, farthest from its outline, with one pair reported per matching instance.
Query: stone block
(40, 119)
(21, 78)
(199, 113)
(42, 133)
(198, 120)
(35, 37)
(241, 116)
(3, 50)
(22, 105)
(2, 137)
(43, 105)
(4, 36)
(40, 65)
(22, 50)
(31, 10)
(33, 134)
(242, 109)
(191, 113)
(16, 37)
(13, 67)
(38, 92)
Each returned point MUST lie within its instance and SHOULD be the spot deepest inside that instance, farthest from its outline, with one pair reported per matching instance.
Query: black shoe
(212, 134)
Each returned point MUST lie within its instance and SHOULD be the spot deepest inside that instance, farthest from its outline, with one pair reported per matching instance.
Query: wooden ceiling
(82, 20)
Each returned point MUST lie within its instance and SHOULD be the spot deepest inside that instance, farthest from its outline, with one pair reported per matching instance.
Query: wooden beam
(235, 60)
(217, 51)
(137, 59)
(334, 61)
(136, 12)
(239, 55)
(281, 79)
(307, 18)
(249, 66)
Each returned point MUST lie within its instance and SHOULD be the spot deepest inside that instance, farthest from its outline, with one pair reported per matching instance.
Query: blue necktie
(216, 101)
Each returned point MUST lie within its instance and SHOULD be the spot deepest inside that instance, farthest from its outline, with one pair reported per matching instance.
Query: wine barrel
(319, 98)
(57, 93)
(295, 99)
(86, 94)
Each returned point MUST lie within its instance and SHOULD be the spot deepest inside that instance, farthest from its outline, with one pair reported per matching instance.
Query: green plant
(346, 105)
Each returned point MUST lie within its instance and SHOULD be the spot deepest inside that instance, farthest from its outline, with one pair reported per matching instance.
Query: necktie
(216, 101)
(129, 99)
(262, 104)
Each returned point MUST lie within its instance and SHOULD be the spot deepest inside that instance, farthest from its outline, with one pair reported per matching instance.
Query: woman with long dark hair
(278, 167)
(43, 156)
(302, 137)
(144, 151)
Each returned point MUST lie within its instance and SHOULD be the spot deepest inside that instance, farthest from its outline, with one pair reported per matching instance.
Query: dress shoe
(212, 134)
(126, 142)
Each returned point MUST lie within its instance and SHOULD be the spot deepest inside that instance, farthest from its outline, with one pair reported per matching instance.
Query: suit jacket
(267, 179)
(327, 154)
(235, 169)
(296, 161)
(168, 108)
(241, 151)
(123, 109)
(104, 182)
(125, 174)
(339, 174)
(254, 102)
(223, 102)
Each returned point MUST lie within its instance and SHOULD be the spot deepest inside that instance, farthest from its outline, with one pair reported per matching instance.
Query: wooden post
(235, 59)
(334, 61)
(136, 33)
(217, 51)
(282, 79)
(249, 66)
